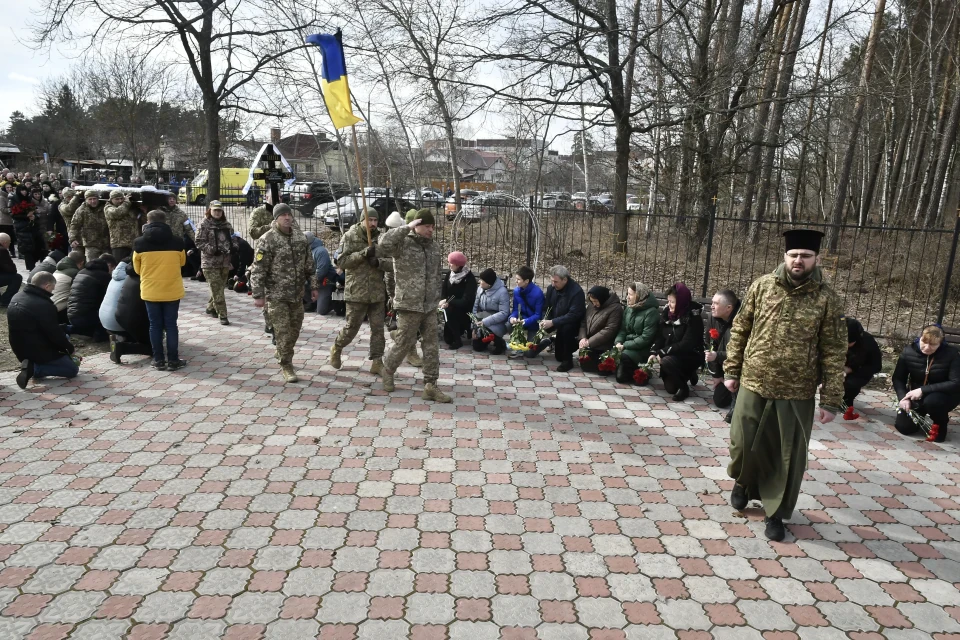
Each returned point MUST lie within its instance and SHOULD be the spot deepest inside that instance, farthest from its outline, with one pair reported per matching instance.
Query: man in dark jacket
(864, 361)
(132, 317)
(9, 277)
(723, 309)
(48, 264)
(567, 307)
(35, 335)
(86, 295)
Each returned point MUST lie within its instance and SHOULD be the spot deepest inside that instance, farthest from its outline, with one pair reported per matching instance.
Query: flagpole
(363, 193)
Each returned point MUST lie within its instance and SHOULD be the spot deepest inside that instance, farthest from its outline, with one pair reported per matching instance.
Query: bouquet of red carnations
(643, 374)
(584, 356)
(486, 336)
(609, 360)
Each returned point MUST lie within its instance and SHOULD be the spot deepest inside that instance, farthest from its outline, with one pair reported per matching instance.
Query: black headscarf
(601, 294)
(854, 330)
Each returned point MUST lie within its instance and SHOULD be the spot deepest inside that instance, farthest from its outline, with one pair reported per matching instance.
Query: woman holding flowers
(490, 312)
(679, 345)
(637, 332)
(600, 325)
(458, 292)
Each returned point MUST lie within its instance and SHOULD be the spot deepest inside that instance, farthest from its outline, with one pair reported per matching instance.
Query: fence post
(710, 231)
(530, 234)
(949, 274)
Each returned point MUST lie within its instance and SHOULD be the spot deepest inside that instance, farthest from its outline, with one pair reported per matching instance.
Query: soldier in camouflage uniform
(789, 337)
(179, 221)
(216, 242)
(261, 220)
(69, 203)
(282, 263)
(88, 227)
(364, 291)
(417, 267)
(395, 220)
(123, 221)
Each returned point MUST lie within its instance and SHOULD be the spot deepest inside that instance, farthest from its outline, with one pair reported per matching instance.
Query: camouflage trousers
(355, 313)
(217, 279)
(286, 318)
(409, 324)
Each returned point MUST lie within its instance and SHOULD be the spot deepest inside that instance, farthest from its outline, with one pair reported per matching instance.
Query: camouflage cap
(216, 204)
(67, 192)
(90, 193)
(116, 193)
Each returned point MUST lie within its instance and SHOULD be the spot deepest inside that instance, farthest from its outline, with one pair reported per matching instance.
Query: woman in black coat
(458, 292)
(927, 381)
(28, 226)
(86, 295)
(679, 343)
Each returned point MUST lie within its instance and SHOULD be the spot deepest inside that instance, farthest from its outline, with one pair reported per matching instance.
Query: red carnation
(714, 334)
(584, 359)
(640, 376)
(487, 339)
(607, 365)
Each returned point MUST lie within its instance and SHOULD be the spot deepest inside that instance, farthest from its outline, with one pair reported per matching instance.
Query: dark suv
(348, 213)
(305, 196)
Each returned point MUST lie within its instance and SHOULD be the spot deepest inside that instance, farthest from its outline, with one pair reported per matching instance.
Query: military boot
(376, 367)
(430, 392)
(289, 375)
(387, 377)
(335, 361)
(414, 359)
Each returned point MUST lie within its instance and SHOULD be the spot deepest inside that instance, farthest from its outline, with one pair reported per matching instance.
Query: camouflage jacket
(417, 268)
(786, 340)
(261, 221)
(362, 282)
(177, 221)
(123, 223)
(282, 264)
(215, 240)
(89, 227)
(69, 207)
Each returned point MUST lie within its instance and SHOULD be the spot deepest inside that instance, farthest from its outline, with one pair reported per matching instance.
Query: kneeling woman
(927, 381)
(638, 330)
(492, 308)
(679, 345)
(598, 332)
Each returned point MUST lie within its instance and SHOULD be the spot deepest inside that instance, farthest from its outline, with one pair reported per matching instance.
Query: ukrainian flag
(336, 91)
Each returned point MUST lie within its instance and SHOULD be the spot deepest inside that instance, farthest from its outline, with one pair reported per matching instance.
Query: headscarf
(854, 330)
(643, 292)
(600, 294)
(684, 297)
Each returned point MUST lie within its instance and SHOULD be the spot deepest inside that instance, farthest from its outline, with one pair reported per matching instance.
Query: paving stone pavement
(217, 502)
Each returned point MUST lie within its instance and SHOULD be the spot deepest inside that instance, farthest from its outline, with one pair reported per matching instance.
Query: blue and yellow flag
(336, 91)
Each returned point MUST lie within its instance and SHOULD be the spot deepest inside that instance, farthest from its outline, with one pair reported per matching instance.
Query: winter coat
(261, 220)
(363, 282)
(321, 258)
(639, 329)
(5, 219)
(492, 306)
(131, 312)
(88, 226)
(108, 308)
(179, 223)
(864, 359)
(528, 303)
(601, 325)
(567, 306)
(69, 208)
(216, 241)
(69, 267)
(417, 268)
(682, 337)
(123, 223)
(157, 258)
(720, 345)
(911, 370)
(87, 292)
(281, 266)
(48, 264)
(786, 340)
(6, 262)
(35, 333)
(461, 295)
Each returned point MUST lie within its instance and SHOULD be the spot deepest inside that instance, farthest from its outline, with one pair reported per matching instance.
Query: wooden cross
(714, 200)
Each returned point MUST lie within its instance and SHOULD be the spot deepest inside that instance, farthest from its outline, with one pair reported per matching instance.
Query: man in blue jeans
(35, 334)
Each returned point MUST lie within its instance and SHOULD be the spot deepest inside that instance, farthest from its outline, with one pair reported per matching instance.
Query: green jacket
(417, 267)
(123, 223)
(281, 266)
(786, 340)
(638, 330)
(67, 209)
(260, 222)
(177, 221)
(363, 282)
(89, 227)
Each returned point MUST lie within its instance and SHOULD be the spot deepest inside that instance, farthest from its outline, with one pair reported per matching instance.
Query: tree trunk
(212, 118)
(943, 161)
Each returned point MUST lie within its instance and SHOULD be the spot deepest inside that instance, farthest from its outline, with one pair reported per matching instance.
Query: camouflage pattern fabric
(355, 314)
(416, 267)
(217, 279)
(786, 340)
(89, 227)
(286, 318)
(363, 282)
(281, 264)
(68, 209)
(261, 221)
(177, 220)
(123, 224)
(215, 236)
(409, 325)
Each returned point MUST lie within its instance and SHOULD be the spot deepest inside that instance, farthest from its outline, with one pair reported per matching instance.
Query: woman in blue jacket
(527, 304)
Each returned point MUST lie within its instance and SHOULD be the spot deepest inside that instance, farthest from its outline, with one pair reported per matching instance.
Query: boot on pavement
(289, 375)
(387, 377)
(414, 359)
(335, 361)
(376, 367)
(430, 392)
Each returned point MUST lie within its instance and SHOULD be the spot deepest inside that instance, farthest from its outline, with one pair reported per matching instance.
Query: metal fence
(893, 279)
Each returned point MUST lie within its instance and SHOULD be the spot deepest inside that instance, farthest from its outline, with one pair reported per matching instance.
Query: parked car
(556, 199)
(425, 198)
(450, 208)
(232, 181)
(306, 197)
(348, 210)
(488, 205)
(634, 203)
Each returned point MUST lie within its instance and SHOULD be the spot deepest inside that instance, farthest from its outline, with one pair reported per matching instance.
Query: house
(473, 165)
(8, 155)
(311, 156)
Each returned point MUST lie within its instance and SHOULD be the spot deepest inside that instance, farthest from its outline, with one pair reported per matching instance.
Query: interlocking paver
(217, 502)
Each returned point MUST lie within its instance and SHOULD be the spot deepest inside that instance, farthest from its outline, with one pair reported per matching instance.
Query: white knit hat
(395, 220)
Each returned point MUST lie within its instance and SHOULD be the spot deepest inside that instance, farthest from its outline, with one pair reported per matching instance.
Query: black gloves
(373, 261)
(370, 251)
